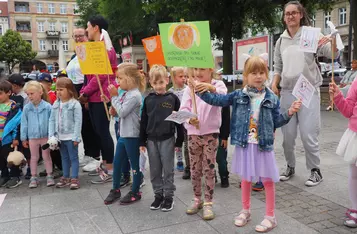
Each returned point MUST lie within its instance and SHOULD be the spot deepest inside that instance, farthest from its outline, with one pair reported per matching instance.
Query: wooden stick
(332, 69)
(102, 93)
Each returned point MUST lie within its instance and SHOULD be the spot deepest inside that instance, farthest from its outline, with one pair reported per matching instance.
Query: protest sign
(309, 39)
(304, 90)
(153, 50)
(180, 117)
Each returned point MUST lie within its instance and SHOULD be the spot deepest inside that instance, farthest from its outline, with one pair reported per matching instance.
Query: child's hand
(25, 144)
(75, 143)
(333, 89)
(191, 83)
(15, 143)
(194, 122)
(142, 149)
(113, 91)
(204, 87)
(295, 107)
(112, 111)
(224, 144)
(104, 98)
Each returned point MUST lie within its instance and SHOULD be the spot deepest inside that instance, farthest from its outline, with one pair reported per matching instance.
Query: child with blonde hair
(255, 116)
(128, 108)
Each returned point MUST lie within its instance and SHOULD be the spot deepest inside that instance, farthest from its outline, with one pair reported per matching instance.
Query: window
(63, 9)
(1, 30)
(29, 41)
(54, 45)
(327, 18)
(39, 8)
(75, 9)
(51, 8)
(313, 20)
(42, 45)
(22, 7)
(64, 27)
(342, 16)
(65, 45)
(52, 26)
(40, 26)
(23, 26)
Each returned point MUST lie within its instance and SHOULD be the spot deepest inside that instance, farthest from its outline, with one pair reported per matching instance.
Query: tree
(86, 9)
(14, 50)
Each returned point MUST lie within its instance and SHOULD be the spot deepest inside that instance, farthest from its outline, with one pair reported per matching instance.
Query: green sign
(187, 44)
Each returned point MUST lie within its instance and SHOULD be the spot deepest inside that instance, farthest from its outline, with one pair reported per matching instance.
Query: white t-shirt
(74, 71)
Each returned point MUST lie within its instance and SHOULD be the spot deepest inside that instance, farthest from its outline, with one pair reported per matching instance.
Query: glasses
(78, 36)
(293, 13)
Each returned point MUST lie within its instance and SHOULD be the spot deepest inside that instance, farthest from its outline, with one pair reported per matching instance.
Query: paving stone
(15, 227)
(328, 224)
(15, 209)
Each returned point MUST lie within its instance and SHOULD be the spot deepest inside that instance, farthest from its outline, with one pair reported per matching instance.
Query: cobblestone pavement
(299, 209)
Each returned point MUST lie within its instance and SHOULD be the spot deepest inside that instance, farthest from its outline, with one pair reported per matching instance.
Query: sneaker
(93, 173)
(92, 165)
(13, 182)
(63, 182)
(102, 179)
(113, 196)
(74, 184)
(290, 171)
(315, 178)
(3, 181)
(28, 174)
(168, 204)
(84, 160)
(33, 182)
(351, 218)
(57, 173)
(50, 181)
(258, 187)
(186, 174)
(43, 173)
(224, 182)
(157, 202)
(130, 198)
(208, 213)
(195, 206)
(125, 181)
(180, 167)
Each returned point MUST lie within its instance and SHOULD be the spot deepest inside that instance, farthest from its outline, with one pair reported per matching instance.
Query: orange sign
(153, 49)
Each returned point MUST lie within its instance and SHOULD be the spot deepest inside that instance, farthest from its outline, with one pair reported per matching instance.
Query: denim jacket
(270, 117)
(12, 129)
(34, 121)
(71, 119)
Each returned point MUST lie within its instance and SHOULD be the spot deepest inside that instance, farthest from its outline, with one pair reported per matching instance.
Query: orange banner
(153, 50)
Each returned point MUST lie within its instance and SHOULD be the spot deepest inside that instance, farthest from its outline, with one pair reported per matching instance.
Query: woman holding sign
(289, 63)
(91, 93)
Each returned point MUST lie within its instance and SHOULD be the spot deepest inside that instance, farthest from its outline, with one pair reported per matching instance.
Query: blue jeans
(69, 154)
(127, 149)
(126, 166)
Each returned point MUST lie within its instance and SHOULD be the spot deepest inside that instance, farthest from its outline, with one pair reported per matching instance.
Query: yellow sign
(93, 58)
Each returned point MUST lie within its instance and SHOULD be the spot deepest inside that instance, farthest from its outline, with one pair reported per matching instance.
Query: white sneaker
(92, 165)
(84, 160)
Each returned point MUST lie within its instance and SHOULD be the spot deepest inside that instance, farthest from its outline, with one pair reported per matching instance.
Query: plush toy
(53, 143)
(16, 158)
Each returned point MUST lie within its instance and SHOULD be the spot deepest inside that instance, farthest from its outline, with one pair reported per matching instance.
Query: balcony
(22, 7)
(52, 53)
(23, 26)
(53, 34)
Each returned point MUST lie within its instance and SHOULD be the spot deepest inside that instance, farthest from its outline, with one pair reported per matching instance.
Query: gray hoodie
(128, 108)
(290, 62)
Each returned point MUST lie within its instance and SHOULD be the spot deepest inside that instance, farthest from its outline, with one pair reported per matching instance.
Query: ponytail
(134, 74)
(142, 83)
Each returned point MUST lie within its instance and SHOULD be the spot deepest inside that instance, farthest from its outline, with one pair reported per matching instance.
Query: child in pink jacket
(203, 134)
(347, 147)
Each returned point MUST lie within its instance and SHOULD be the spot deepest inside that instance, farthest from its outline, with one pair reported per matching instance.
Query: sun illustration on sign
(184, 35)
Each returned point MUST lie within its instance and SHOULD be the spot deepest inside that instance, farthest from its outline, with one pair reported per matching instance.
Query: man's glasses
(78, 36)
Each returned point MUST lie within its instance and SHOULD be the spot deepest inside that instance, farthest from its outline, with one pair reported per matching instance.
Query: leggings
(203, 151)
(269, 196)
(35, 144)
(352, 186)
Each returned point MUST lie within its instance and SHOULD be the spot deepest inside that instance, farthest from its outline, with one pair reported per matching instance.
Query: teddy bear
(16, 158)
(53, 143)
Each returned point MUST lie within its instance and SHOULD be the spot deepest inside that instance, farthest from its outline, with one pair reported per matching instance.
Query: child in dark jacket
(10, 118)
(157, 136)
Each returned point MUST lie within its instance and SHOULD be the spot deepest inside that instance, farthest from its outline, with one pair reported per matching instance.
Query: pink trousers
(35, 146)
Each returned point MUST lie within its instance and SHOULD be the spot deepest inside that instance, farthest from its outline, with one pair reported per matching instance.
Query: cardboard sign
(309, 39)
(153, 50)
(93, 58)
(187, 44)
(180, 117)
(304, 91)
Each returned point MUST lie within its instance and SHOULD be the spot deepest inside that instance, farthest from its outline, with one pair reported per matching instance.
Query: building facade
(47, 25)
(4, 18)
(340, 17)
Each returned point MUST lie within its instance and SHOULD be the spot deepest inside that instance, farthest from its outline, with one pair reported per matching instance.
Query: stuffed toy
(16, 158)
(53, 143)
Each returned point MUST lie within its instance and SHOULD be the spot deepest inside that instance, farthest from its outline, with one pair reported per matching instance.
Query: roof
(3, 9)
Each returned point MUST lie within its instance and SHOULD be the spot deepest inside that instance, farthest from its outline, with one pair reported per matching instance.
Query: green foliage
(14, 50)
(86, 9)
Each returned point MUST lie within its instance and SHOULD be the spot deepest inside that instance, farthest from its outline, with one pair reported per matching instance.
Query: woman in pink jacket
(347, 147)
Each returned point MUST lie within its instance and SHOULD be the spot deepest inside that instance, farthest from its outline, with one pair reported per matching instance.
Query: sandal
(242, 219)
(268, 224)
(351, 221)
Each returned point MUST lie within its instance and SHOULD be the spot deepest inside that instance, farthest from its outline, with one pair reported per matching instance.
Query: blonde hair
(38, 87)
(133, 73)
(254, 64)
(175, 70)
(157, 72)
